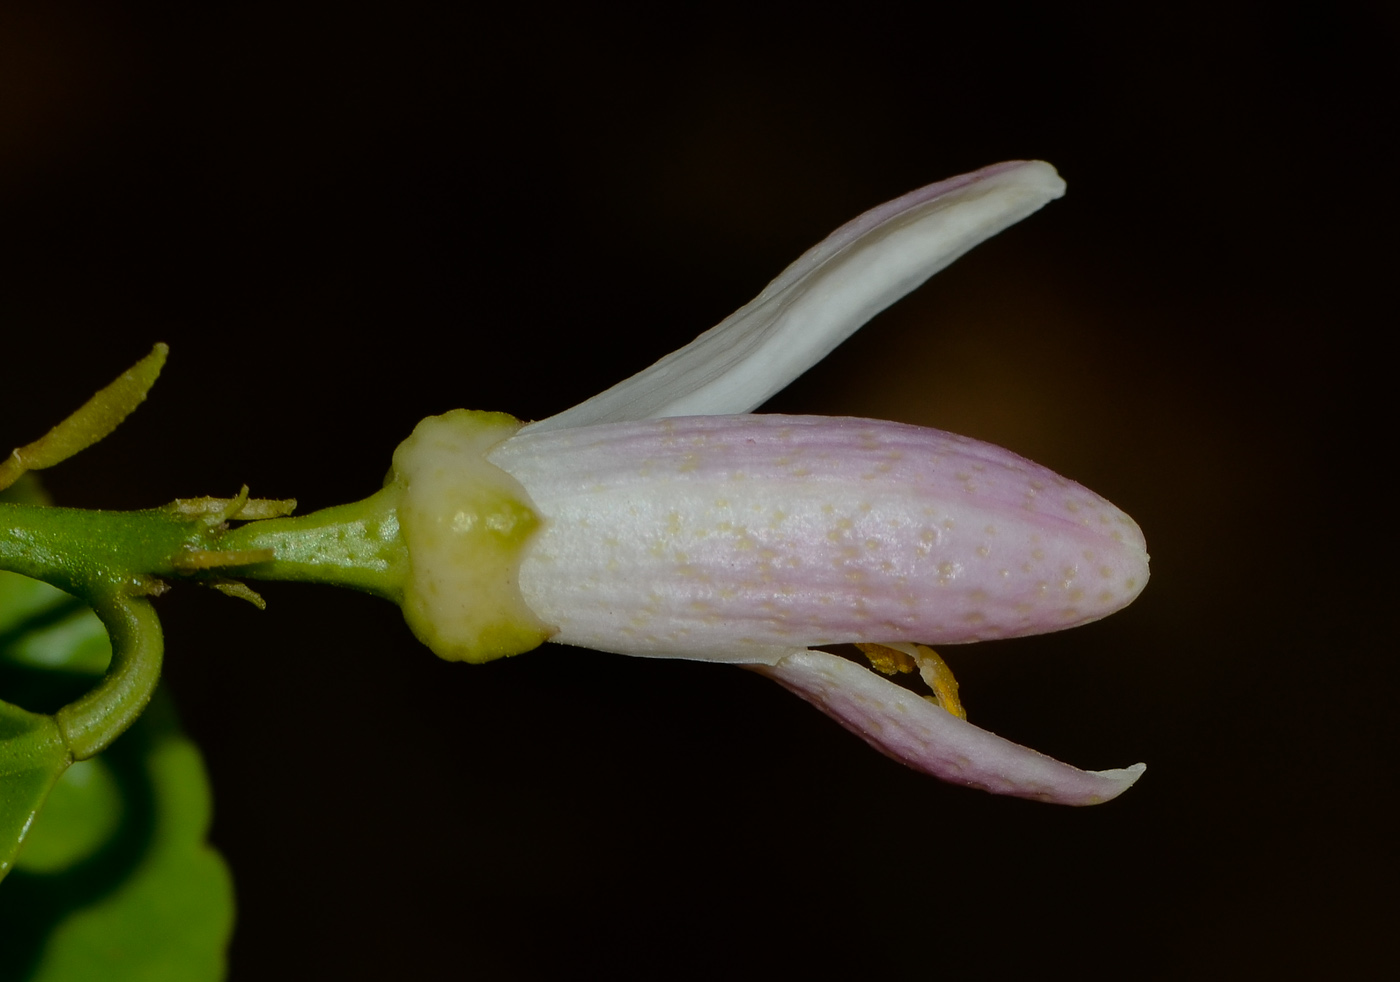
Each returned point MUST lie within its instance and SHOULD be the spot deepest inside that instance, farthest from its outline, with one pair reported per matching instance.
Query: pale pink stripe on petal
(738, 538)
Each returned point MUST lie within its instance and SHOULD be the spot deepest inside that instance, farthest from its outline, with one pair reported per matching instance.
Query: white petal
(927, 738)
(738, 538)
(824, 297)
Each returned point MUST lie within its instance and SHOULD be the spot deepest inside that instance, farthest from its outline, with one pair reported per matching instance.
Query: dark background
(342, 222)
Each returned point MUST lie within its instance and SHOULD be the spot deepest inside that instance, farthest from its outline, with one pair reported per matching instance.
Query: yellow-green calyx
(466, 523)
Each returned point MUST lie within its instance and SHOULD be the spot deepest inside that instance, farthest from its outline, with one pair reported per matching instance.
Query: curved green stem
(92, 722)
(107, 559)
(112, 560)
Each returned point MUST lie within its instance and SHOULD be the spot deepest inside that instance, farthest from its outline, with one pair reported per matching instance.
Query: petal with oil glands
(737, 538)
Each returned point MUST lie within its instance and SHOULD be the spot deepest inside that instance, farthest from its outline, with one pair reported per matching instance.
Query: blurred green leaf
(34, 626)
(43, 627)
(170, 916)
(82, 814)
(115, 880)
(32, 758)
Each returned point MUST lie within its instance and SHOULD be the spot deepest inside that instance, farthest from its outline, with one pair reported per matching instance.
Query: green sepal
(90, 422)
(466, 524)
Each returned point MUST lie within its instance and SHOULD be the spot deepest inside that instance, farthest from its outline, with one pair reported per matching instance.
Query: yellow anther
(935, 671)
(892, 658)
(887, 660)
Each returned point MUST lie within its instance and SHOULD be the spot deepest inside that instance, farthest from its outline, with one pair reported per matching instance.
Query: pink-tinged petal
(738, 538)
(824, 297)
(913, 731)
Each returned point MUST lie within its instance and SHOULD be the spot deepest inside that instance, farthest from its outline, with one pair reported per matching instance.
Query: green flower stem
(93, 553)
(358, 546)
(91, 723)
(109, 559)
(112, 560)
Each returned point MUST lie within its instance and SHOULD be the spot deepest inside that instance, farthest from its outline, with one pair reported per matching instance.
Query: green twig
(92, 722)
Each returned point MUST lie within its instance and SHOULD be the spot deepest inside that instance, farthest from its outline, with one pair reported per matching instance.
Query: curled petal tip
(824, 297)
(906, 727)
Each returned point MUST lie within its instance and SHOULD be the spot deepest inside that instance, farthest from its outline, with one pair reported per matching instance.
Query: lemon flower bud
(658, 519)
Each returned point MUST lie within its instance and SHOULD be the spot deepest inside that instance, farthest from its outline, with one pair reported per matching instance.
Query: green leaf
(170, 916)
(42, 627)
(32, 753)
(115, 880)
(142, 897)
(32, 759)
(82, 814)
